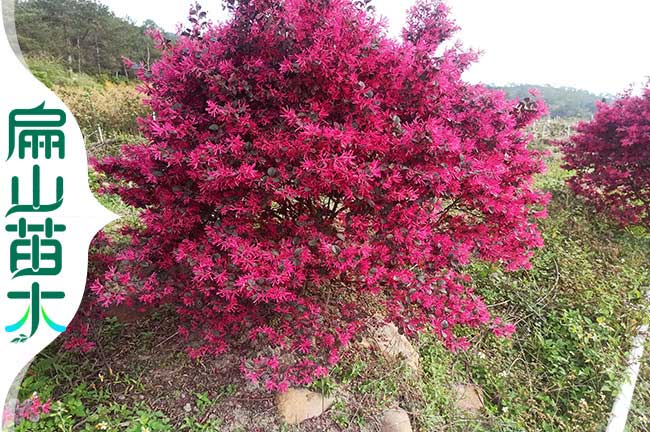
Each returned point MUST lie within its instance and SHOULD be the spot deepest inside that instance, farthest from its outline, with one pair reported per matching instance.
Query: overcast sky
(599, 45)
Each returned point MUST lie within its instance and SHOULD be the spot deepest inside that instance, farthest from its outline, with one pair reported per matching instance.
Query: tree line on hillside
(561, 101)
(84, 35)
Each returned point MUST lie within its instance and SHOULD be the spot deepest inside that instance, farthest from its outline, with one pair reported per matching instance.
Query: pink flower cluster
(611, 158)
(30, 409)
(305, 175)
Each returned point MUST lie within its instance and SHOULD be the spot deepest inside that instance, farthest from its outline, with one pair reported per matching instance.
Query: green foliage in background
(563, 102)
(84, 35)
(53, 73)
(106, 110)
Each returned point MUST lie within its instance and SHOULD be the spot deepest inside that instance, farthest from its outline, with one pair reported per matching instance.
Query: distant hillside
(83, 35)
(562, 101)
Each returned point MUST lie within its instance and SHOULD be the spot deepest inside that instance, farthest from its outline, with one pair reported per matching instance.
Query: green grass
(639, 417)
(114, 203)
(88, 397)
(576, 312)
(52, 72)
(82, 405)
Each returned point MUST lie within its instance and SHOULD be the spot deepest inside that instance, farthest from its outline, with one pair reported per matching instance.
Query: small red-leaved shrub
(30, 409)
(306, 175)
(611, 159)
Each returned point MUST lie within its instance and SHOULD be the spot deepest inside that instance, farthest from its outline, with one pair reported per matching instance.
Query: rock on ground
(298, 405)
(396, 420)
(468, 398)
(391, 343)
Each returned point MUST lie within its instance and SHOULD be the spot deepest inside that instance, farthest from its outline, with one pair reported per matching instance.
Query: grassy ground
(575, 312)
(639, 419)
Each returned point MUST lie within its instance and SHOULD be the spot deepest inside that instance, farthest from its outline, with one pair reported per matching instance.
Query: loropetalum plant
(611, 158)
(30, 409)
(306, 175)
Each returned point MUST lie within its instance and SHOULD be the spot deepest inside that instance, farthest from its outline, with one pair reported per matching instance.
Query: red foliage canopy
(306, 174)
(611, 157)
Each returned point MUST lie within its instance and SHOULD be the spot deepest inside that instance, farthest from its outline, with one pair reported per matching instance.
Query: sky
(597, 45)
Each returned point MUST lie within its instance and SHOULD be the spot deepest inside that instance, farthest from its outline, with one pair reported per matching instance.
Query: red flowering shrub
(306, 174)
(611, 157)
(30, 409)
